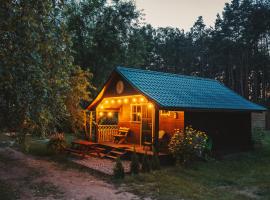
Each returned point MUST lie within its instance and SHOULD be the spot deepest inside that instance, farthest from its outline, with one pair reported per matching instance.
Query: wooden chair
(121, 136)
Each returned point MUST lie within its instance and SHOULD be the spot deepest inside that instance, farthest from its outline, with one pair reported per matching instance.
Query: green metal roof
(187, 92)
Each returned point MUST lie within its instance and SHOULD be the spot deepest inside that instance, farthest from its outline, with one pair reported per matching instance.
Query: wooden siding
(175, 120)
(111, 89)
(229, 131)
(124, 120)
(258, 120)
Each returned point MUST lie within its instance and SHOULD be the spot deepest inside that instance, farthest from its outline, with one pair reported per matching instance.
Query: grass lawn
(239, 176)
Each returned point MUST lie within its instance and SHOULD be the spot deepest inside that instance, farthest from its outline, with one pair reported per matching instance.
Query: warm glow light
(109, 114)
(101, 114)
(106, 101)
(101, 107)
(142, 99)
(119, 101)
(112, 101)
(125, 100)
(150, 105)
(134, 99)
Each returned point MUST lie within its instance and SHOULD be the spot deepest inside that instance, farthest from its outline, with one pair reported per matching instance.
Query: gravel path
(34, 178)
(102, 165)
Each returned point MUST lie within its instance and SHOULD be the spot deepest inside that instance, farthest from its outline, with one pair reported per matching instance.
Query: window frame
(135, 112)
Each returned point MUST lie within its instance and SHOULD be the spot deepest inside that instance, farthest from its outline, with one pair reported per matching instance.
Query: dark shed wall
(229, 130)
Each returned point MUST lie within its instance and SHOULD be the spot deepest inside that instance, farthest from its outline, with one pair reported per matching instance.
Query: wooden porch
(106, 135)
(130, 148)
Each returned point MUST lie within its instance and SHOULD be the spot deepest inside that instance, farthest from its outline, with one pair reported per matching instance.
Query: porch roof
(185, 92)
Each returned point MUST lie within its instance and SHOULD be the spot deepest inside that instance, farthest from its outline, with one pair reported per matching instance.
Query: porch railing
(106, 132)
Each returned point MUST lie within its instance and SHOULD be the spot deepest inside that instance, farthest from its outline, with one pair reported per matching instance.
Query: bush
(57, 143)
(146, 165)
(135, 164)
(23, 140)
(186, 146)
(118, 170)
(155, 164)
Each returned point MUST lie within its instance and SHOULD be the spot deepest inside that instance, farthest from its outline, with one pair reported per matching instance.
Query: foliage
(135, 163)
(100, 32)
(78, 96)
(118, 170)
(155, 162)
(186, 145)
(57, 143)
(235, 51)
(37, 76)
(23, 140)
(146, 164)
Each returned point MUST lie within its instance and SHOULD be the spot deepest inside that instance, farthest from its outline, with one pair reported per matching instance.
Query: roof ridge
(165, 73)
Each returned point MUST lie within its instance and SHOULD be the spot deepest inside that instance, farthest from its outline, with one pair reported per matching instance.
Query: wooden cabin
(151, 103)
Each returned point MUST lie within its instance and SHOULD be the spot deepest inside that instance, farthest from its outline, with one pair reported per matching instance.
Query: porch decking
(130, 148)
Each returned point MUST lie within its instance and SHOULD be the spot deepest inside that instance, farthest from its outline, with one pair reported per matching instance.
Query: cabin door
(146, 125)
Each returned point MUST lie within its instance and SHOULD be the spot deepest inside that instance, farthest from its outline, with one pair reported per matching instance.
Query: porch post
(90, 125)
(85, 122)
(156, 127)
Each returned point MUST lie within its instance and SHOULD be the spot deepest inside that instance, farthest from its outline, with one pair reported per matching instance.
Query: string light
(112, 101)
(119, 101)
(125, 100)
(134, 99)
(150, 105)
(101, 107)
(142, 99)
(101, 114)
(106, 101)
(109, 114)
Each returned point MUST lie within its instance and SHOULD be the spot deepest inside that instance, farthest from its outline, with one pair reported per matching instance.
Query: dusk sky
(180, 13)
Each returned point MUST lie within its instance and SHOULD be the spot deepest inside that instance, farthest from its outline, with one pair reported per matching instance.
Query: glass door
(146, 125)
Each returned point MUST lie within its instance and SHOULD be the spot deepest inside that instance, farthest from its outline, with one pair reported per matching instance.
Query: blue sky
(180, 13)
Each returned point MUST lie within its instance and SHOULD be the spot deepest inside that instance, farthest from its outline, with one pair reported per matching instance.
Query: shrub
(186, 145)
(23, 140)
(155, 163)
(146, 165)
(118, 170)
(135, 164)
(57, 143)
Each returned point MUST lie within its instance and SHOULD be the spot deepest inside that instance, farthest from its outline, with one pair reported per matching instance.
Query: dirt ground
(28, 177)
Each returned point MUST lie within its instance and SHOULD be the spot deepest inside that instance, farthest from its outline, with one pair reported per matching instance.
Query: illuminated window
(136, 113)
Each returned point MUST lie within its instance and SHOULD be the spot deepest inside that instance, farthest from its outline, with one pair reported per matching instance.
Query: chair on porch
(121, 136)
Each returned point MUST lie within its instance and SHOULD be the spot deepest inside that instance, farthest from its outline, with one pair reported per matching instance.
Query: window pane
(133, 117)
(139, 109)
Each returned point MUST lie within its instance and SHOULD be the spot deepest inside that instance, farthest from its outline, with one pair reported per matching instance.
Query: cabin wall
(124, 120)
(258, 120)
(111, 90)
(174, 120)
(229, 130)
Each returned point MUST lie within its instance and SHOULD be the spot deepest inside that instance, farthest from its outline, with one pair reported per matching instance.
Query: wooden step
(111, 156)
(118, 152)
(100, 148)
(73, 151)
